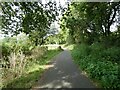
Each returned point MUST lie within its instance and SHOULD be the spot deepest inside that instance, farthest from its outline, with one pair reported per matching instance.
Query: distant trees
(89, 22)
(55, 39)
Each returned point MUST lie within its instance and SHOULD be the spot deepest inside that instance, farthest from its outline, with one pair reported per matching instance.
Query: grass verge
(33, 72)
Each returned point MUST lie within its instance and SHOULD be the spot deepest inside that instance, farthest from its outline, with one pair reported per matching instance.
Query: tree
(32, 18)
(88, 22)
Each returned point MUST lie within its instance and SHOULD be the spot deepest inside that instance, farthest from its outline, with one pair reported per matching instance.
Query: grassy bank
(101, 64)
(33, 71)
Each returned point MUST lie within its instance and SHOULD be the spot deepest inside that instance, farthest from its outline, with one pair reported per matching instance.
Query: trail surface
(63, 73)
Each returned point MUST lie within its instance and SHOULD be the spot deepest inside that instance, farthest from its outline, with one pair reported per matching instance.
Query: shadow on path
(64, 74)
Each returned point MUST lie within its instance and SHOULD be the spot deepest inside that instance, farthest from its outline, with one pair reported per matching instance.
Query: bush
(38, 52)
(18, 63)
(100, 63)
(81, 51)
(112, 54)
(6, 49)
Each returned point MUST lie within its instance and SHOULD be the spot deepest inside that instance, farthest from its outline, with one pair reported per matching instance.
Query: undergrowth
(100, 63)
(32, 71)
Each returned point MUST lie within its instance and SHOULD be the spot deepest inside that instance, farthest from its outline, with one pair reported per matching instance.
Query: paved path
(63, 73)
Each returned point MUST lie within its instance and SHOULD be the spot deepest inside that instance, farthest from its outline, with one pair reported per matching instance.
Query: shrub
(112, 54)
(6, 49)
(81, 50)
(19, 63)
(100, 63)
(38, 52)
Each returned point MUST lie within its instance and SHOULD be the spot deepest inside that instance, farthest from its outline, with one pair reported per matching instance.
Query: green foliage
(33, 71)
(69, 47)
(5, 50)
(15, 53)
(26, 81)
(89, 22)
(100, 63)
(98, 51)
(38, 52)
(82, 51)
(32, 18)
(21, 61)
(112, 54)
(13, 44)
(52, 39)
(59, 38)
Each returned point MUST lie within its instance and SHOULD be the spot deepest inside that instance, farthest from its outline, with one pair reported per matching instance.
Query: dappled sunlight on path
(63, 73)
(46, 66)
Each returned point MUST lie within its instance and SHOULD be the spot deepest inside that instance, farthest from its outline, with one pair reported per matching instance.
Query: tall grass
(33, 72)
(17, 63)
(21, 69)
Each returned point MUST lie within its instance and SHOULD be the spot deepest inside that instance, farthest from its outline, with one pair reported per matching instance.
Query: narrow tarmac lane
(64, 74)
